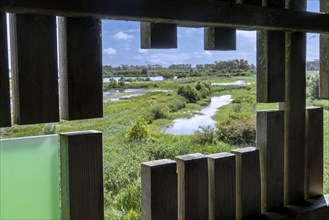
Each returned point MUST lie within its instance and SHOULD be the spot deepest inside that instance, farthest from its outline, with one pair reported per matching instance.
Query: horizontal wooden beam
(192, 12)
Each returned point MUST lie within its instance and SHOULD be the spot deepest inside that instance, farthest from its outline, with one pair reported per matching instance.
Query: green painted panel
(29, 178)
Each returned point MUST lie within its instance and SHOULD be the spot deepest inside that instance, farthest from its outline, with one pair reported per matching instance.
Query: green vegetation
(133, 128)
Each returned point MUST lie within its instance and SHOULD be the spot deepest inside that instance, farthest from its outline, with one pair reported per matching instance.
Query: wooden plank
(34, 68)
(192, 173)
(192, 12)
(252, 2)
(324, 56)
(248, 198)
(220, 38)
(81, 159)
(5, 112)
(294, 107)
(222, 187)
(159, 190)
(158, 35)
(270, 142)
(80, 59)
(313, 209)
(271, 62)
(314, 149)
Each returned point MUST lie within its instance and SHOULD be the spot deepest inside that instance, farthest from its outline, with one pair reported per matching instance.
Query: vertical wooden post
(314, 149)
(222, 187)
(271, 62)
(248, 198)
(34, 68)
(158, 35)
(220, 38)
(80, 63)
(81, 159)
(192, 172)
(5, 113)
(324, 56)
(294, 107)
(159, 190)
(270, 142)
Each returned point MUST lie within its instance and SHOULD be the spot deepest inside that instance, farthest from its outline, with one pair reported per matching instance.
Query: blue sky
(121, 45)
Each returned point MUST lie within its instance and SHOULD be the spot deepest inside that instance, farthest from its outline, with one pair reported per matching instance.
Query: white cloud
(142, 50)
(122, 36)
(110, 51)
(204, 54)
(138, 57)
(247, 34)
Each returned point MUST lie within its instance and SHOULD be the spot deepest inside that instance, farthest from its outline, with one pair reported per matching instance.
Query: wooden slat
(252, 2)
(191, 12)
(314, 149)
(34, 69)
(313, 209)
(159, 190)
(81, 159)
(270, 142)
(80, 49)
(192, 186)
(5, 114)
(294, 108)
(324, 56)
(222, 187)
(271, 63)
(220, 38)
(248, 200)
(158, 35)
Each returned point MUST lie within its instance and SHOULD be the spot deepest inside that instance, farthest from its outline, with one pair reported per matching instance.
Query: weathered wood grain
(222, 186)
(324, 57)
(294, 107)
(158, 35)
(159, 190)
(219, 38)
(81, 159)
(271, 62)
(192, 12)
(313, 209)
(252, 2)
(34, 68)
(80, 59)
(192, 170)
(248, 188)
(314, 149)
(270, 142)
(5, 112)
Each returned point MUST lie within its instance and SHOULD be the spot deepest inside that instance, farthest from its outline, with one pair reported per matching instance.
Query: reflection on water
(152, 78)
(187, 126)
(236, 83)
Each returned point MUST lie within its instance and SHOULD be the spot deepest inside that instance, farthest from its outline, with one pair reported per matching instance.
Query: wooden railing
(244, 183)
(288, 161)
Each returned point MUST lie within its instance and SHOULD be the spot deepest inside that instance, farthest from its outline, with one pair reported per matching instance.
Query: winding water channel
(187, 126)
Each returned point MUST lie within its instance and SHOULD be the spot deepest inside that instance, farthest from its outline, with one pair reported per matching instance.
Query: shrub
(205, 135)
(129, 198)
(139, 131)
(238, 129)
(50, 128)
(159, 112)
(190, 93)
(314, 86)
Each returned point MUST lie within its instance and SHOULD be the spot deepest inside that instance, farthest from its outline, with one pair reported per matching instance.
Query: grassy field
(122, 156)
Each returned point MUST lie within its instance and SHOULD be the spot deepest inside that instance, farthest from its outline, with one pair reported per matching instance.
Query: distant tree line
(313, 65)
(230, 67)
